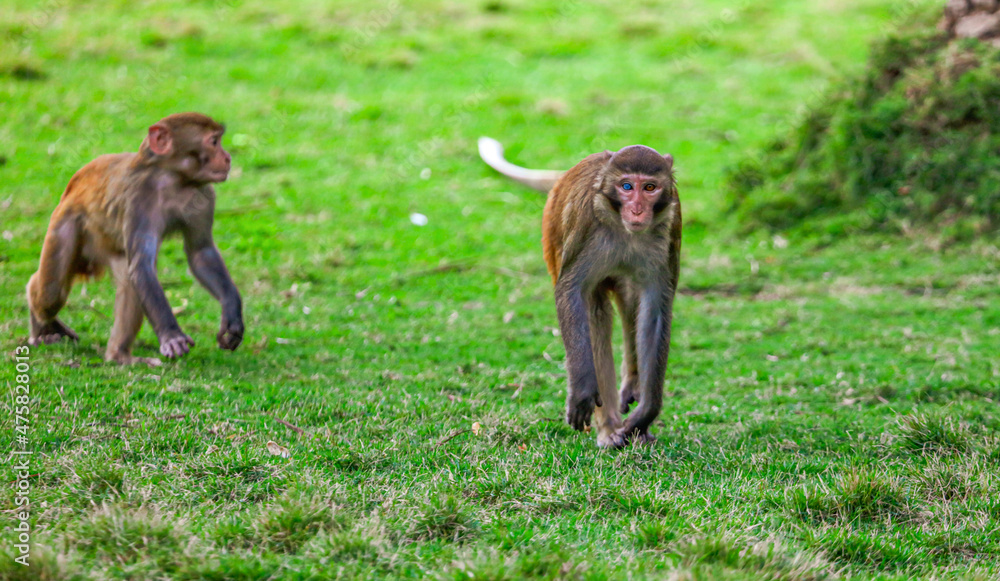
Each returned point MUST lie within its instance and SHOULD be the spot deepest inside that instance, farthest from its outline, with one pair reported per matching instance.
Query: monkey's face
(189, 144)
(213, 162)
(638, 196)
(201, 158)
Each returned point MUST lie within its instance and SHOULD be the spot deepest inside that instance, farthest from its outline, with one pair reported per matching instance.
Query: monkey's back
(95, 198)
(90, 184)
(566, 206)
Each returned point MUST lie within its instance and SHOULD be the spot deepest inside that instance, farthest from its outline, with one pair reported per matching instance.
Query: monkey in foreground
(611, 228)
(114, 214)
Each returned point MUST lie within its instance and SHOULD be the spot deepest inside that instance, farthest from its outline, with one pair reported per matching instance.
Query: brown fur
(114, 213)
(593, 257)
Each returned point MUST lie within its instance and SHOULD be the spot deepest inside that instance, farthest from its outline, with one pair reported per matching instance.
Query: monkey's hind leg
(653, 346)
(607, 417)
(628, 309)
(128, 320)
(49, 287)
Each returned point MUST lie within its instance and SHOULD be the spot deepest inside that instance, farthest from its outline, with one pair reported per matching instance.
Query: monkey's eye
(650, 187)
(627, 186)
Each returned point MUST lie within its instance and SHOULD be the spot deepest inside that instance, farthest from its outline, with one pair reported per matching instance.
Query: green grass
(831, 404)
(909, 142)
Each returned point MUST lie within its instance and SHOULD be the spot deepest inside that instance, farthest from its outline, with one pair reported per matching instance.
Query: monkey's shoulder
(93, 180)
(109, 162)
(594, 160)
(573, 197)
(587, 174)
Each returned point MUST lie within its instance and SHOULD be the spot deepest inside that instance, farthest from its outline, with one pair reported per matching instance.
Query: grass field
(831, 403)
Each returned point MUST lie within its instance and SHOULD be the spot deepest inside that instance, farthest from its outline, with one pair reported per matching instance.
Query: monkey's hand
(629, 394)
(580, 408)
(175, 344)
(230, 335)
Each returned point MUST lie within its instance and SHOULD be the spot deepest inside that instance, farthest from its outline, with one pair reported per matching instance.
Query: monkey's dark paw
(627, 396)
(579, 411)
(175, 345)
(644, 439)
(52, 332)
(636, 437)
(230, 336)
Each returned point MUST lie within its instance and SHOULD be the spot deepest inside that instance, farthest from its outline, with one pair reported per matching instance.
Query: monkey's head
(189, 144)
(638, 183)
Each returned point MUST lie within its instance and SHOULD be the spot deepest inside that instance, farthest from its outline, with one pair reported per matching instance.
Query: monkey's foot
(613, 440)
(636, 437)
(644, 439)
(127, 359)
(51, 332)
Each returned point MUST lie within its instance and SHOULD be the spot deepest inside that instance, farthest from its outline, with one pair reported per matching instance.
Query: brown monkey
(611, 228)
(115, 212)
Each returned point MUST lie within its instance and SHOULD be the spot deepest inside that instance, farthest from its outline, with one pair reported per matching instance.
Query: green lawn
(831, 408)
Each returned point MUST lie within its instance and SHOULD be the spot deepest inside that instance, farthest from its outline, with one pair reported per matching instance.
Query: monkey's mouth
(635, 226)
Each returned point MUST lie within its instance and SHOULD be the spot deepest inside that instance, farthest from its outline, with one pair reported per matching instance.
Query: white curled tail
(537, 179)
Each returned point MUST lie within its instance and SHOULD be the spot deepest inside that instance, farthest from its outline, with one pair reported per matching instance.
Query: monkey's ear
(670, 161)
(161, 142)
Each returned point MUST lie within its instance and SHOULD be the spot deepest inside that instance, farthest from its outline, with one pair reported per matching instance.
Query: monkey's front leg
(583, 394)
(142, 274)
(653, 346)
(207, 266)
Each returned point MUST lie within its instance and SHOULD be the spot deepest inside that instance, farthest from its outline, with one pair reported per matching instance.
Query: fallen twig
(451, 437)
(292, 427)
(109, 424)
(510, 273)
(93, 308)
(240, 209)
(442, 268)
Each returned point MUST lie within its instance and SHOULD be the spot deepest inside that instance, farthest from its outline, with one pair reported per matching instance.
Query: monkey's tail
(537, 179)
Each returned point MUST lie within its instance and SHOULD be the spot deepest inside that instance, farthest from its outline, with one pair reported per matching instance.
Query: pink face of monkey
(639, 184)
(193, 150)
(214, 161)
(639, 195)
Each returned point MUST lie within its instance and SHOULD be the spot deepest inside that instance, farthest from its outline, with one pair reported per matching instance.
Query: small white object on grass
(276, 449)
(418, 219)
(425, 174)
